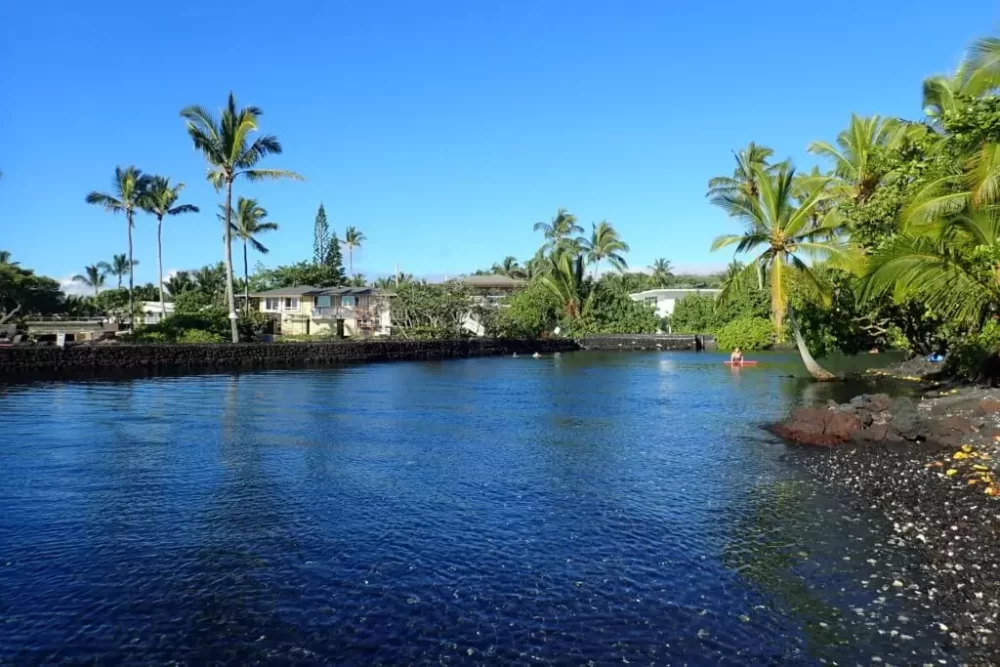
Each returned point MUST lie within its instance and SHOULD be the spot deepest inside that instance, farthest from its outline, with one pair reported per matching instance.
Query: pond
(589, 507)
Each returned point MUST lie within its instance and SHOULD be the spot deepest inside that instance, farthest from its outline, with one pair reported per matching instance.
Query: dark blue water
(589, 508)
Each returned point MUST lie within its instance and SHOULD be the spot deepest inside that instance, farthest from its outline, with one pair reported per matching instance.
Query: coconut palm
(565, 279)
(128, 187)
(605, 243)
(559, 233)
(779, 233)
(855, 158)
(211, 280)
(508, 267)
(161, 200)
(662, 271)
(743, 183)
(358, 280)
(353, 238)
(248, 223)
(92, 276)
(179, 283)
(118, 267)
(230, 154)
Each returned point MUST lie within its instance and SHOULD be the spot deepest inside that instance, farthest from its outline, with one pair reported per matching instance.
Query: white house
(151, 312)
(665, 299)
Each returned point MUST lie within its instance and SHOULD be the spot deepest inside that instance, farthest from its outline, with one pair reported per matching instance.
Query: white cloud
(75, 287)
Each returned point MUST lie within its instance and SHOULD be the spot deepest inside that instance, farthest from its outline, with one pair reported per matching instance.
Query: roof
(667, 293)
(309, 290)
(493, 280)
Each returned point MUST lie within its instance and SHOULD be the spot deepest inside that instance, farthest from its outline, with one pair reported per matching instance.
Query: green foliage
(529, 313)
(430, 311)
(841, 324)
(746, 333)
(704, 314)
(200, 336)
(611, 313)
(194, 302)
(968, 356)
(202, 325)
(292, 275)
(22, 293)
(321, 236)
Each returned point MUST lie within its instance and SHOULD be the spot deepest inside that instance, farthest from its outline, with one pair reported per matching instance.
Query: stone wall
(45, 360)
(647, 342)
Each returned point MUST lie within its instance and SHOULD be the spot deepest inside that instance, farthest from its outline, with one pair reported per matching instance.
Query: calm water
(592, 507)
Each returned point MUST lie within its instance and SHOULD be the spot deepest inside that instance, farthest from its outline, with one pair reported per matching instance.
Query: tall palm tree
(92, 276)
(779, 232)
(743, 183)
(353, 238)
(128, 187)
(855, 156)
(559, 233)
(118, 267)
(248, 223)
(605, 243)
(230, 154)
(662, 271)
(161, 200)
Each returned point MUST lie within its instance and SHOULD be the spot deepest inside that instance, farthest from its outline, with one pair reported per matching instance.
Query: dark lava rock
(842, 426)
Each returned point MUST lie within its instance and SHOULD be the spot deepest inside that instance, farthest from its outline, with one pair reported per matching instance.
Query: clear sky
(442, 129)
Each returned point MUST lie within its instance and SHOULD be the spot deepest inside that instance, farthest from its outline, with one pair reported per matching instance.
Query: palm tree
(161, 200)
(118, 267)
(211, 280)
(779, 230)
(357, 280)
(559, 232)
(353, 238)
(855, 157)
(92, 276)
(743, 183)
(248, 223)
(5, 256)
(605, 243)
(179, 283)
(508, 267)
(565, 280)
(230, 154)
(662, 271)
(128, 187)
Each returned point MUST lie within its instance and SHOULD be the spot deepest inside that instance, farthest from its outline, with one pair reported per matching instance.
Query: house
(665, 299)
(491, 291)
(151, 312)
(340, 311)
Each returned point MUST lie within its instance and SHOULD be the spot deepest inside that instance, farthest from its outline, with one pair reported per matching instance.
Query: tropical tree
(248, 223)
(211, 279)
(128, 189)
(662, 272)
(779, 234)
(358, 280)
(118, 267)
(230, 154)
(353, 238)
(565, 280)
(5, 256)
(742, 184)
(92, 276)
(160, 200)
(508, 267)
(855, 158)
(605, 243)
(560, 232)
(179, 283)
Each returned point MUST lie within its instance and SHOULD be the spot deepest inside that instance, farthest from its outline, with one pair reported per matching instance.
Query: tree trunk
(350, 258)
(131, 277)
(159, 265)
(246, 279)
(818, 372)
(228, 242)
(7, 315)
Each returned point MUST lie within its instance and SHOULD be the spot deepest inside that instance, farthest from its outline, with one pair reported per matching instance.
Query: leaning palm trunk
(228, 240)
(818, 372)
(159, 265)
(131, 280)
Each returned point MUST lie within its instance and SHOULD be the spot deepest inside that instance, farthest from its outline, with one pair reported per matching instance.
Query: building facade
(665, 299)
(489, 291)
(346, 312)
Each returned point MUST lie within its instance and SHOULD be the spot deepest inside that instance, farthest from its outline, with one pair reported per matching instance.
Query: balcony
(334, 313)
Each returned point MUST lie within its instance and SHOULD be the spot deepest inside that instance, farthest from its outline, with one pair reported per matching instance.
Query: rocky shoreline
(930, 465)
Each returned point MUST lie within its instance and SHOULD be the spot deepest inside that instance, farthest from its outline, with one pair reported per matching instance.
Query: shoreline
(930, 466)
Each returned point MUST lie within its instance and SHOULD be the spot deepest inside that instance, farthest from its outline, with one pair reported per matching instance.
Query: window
(650, 301)
(291, 303)
(347, 301)
(271, 304)
(322, 302)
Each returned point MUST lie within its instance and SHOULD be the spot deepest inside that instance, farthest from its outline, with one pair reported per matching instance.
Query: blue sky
(442, 129)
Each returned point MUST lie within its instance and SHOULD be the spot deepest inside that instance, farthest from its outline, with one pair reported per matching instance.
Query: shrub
(747, 333)
(968, 356)
(528, 313)
(199, 336)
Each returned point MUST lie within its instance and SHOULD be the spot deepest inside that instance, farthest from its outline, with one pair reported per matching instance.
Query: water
(592, 507)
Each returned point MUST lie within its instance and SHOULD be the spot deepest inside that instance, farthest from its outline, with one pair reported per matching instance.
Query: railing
(334, 312)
